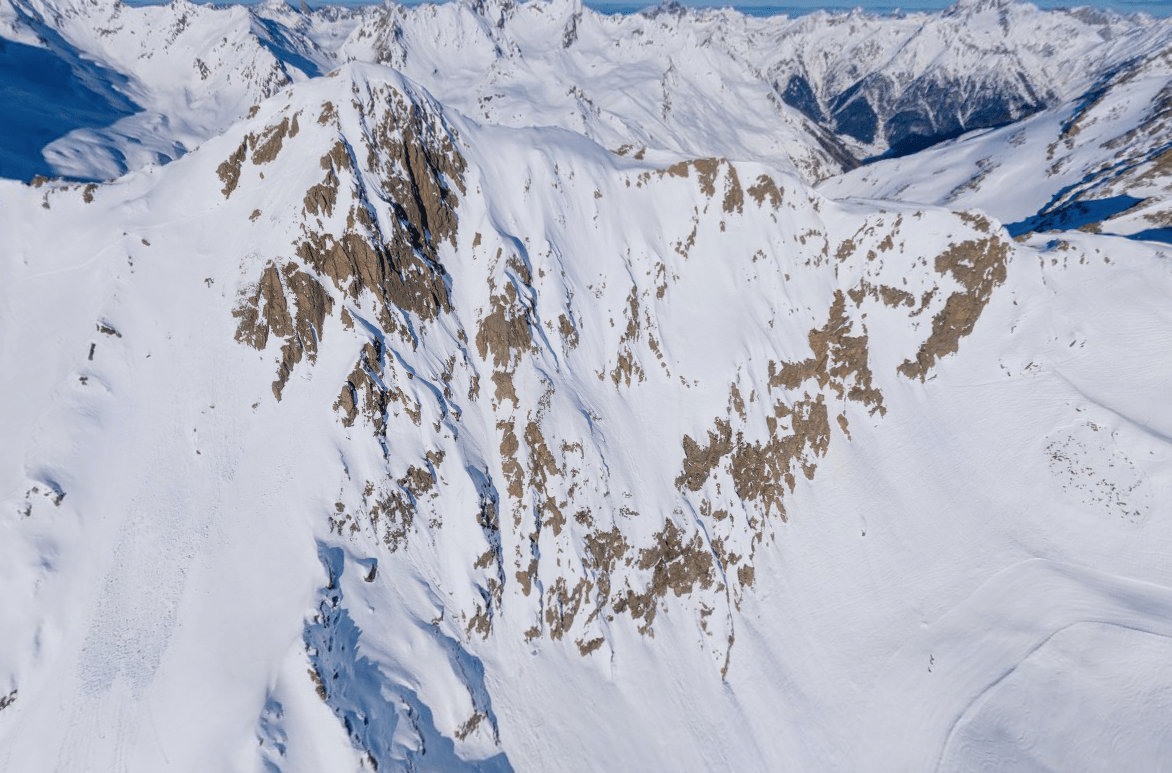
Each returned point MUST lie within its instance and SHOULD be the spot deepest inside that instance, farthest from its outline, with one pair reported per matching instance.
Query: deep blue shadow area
(1073, 216)
(371, 705)
(43, 96)
(1154, 235)
(274, 37)
(911, 141)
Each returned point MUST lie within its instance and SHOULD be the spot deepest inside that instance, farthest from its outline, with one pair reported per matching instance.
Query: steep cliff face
(415, 237)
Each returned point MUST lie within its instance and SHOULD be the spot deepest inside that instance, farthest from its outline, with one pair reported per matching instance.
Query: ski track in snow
(928, 688)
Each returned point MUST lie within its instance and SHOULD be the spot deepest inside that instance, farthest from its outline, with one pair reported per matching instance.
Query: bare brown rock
(706, 171)
(605, 549)
(759, 470)
(837, 358)
(400, 269)
(510, 465)
(321, 199)
(586, 647)
(846, 249)
(568, 331)
(764, 472)
(734, 195)
(766, 188)
(886, 294)
(676, 564)
(266, 311)
(391, 509)
(542, 464)
(563, 604)
(417, 159)
(627, 366)
(526, 577)
(470, 726)
(229, 171)
(504, 387)
(363, 393)
(980, 267)
(311, 303)
(505, 331)
(269, 143)
(700, 461)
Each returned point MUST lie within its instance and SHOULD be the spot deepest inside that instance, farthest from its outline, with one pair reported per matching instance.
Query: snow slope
(374, 434)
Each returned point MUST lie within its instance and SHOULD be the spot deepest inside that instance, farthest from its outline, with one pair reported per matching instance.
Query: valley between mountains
(497, 386)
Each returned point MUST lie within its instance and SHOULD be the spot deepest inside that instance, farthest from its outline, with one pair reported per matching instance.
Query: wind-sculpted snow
(373, 433)
(382, 713)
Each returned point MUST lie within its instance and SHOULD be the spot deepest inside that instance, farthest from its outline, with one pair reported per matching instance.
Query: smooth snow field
(497, 386)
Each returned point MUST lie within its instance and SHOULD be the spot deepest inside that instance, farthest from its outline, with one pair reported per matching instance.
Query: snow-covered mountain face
(490, 388)
(1099, 161)
(895, 86)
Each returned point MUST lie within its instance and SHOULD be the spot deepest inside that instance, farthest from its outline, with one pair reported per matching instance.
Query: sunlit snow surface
(416, 393)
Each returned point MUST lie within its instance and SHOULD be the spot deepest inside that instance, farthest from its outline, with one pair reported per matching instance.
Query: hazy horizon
(1155, 8)
(1160, 8)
